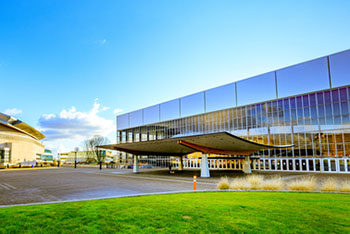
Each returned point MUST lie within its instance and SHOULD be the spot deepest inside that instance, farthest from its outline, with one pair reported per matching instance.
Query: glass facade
(248, 89)
(170, 110)
(221, 97)
(340, 68)
(319, 74)
(306, 105)
(192, 104)
(4, 156)
(318, 124)
(303, 78)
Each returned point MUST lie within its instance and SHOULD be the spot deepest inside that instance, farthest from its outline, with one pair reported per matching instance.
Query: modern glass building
(306, 105)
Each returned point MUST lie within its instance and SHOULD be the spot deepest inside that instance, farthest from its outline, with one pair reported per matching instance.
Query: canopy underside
(211, 143)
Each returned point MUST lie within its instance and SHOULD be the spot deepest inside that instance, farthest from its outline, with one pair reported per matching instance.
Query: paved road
(60, 184)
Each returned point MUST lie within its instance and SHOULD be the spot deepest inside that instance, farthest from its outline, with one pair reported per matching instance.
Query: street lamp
(76, 149)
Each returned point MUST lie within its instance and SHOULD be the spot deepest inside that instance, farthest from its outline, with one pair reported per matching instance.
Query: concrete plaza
(23, 186)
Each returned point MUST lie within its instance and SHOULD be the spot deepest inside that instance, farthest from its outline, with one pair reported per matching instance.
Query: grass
(330, 185)
(239, 184)
(275, 183)
(255, 181)
(304, 184)
(211, 212)
(223, 183)
(345, 187)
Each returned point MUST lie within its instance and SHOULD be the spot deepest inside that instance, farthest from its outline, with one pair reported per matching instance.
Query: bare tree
(94, 144)
(90, 155)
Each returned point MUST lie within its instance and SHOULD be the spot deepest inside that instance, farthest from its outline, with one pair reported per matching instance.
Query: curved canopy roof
(211, 143)
(22, 126)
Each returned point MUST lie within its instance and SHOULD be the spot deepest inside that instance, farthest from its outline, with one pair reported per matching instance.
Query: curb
(164, 193)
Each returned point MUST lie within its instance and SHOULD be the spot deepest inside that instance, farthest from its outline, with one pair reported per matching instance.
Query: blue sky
(66, 66)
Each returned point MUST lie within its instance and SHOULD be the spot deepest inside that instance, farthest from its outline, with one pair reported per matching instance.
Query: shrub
(223, 183)
(240, 183)
(275, 183)
(305, 184)
(345, 187)
(255, 181)
(330, 185)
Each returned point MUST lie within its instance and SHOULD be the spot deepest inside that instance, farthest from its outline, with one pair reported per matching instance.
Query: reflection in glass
(151, 114)
(170, 110)
(316, 123)
(123, 121)
(340, 68)
(219, 98)
(303, 78)
(192, 104)
(256, 89)
(136, 118)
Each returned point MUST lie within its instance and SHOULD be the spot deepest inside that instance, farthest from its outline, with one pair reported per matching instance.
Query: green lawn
(223, 212)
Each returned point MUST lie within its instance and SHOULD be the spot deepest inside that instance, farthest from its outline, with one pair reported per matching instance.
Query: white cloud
(73, 124)
(100, 42)
(13, 111)
(117, 111)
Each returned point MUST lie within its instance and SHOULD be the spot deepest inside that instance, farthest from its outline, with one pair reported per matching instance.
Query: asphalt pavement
(22, 186)
(36, 185)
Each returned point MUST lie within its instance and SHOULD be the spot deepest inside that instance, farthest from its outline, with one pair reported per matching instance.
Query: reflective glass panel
(136, 118)
(340, 68)
(256, 89)
(170, 110)
(219, 98)
(192, 104)
(303, 78)
(151, 114)
(123, 121)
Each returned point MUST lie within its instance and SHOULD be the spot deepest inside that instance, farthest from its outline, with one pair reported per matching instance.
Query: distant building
(83, 156)
(46, 157)
(19, 142)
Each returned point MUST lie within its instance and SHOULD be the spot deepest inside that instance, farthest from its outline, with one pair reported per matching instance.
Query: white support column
(314, 164)
(294, 165)
(135, 168)
(204, 166)
(337, 166)
(346, 165)
(181, 166)
(321, 165)
(276, 163)
(246, 165)
(264, 164)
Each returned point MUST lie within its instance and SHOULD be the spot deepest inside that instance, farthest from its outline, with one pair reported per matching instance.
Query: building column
(246, 165)
(346, 165)
(181, 167)
(337, 165)
(204, 166)
(135, 168)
